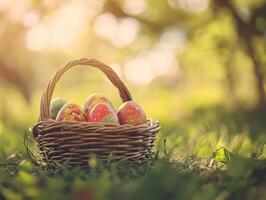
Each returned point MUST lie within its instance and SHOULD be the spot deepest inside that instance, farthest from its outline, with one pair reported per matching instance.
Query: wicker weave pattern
(75, 142)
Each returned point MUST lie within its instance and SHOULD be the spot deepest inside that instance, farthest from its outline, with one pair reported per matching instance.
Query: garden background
(198, 66)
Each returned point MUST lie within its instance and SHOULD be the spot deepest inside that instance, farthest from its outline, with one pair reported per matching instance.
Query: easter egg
(55, 106)
(131, 113)
(103, 112)
(71, 112)
(94, 99)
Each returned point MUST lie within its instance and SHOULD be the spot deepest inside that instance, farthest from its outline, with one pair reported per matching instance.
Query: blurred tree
(12, 76)
(247, 29)
(32, 30)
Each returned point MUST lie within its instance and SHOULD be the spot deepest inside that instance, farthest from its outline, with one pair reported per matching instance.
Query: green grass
(221, 175)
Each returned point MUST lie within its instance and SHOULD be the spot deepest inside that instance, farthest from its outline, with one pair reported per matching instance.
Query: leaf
(223, 155)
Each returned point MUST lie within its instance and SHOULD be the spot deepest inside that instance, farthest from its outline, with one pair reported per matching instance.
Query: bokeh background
(196, 65)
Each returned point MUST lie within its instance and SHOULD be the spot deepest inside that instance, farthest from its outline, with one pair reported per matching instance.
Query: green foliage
(223, 155)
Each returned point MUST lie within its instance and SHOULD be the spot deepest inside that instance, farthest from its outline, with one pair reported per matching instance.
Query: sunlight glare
(148, 65)
(66, 23)
(127, 31)
(37, 37)
(120, 33)
(173, 38)
(189, 5)
(30, 19)
(139, 70)
(3, 4)
(16, 9)
(61, 29)
(160, 60)
(105, 25)
(134, 7)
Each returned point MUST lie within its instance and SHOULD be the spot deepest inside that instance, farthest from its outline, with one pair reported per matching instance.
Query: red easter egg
(131, 113)
(103, 112)
(71, 112)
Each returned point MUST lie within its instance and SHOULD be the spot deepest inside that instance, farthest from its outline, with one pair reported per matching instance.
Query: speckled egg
(131, 113)
(103, 112)
(55, 106)
(71, 112)
(94, 99)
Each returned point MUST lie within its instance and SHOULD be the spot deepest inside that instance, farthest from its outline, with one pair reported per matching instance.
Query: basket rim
(150, 124)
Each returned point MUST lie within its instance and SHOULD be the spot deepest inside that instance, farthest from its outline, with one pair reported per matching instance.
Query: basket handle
(111, 75)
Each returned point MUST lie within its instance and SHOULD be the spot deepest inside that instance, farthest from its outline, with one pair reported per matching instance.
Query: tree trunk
(257, 73)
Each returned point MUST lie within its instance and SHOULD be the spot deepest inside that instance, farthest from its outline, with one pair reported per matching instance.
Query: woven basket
(75, 142)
